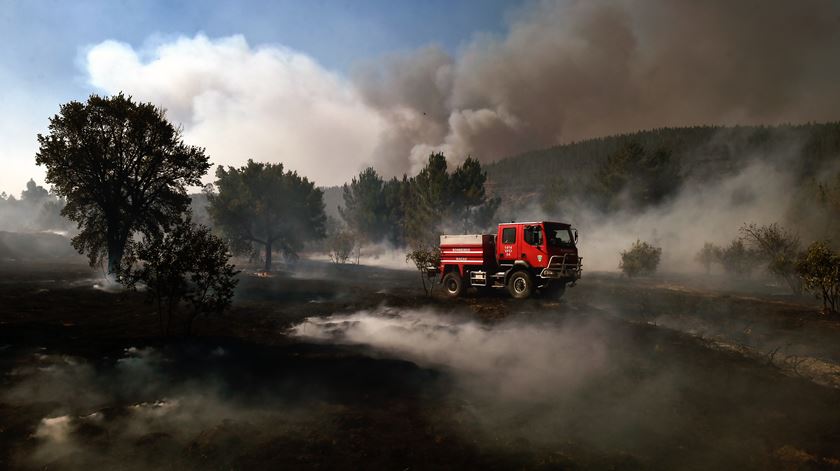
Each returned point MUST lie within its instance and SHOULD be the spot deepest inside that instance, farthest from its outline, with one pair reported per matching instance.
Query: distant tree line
(634, 172)
(414, 211)
(704, 152)
(37, 209)
(630, 179)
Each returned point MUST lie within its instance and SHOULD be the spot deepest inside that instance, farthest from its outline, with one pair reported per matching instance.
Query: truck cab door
(533, 248)
(507, 244)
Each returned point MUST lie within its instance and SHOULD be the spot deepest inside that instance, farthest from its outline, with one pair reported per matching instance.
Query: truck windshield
(559, 236)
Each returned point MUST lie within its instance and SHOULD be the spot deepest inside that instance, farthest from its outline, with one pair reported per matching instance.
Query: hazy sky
(44, 60)
(328, 88)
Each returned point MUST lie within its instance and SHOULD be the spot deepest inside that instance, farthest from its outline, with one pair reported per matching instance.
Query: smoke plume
(571, 70)
(268, 103)
(562, 71)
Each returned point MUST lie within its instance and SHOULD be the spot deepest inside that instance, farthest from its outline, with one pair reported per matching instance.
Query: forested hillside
(701, 153)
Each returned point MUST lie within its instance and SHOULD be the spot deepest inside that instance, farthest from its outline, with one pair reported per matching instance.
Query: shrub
(186, 266)
(819, 268)
(427, 261)
(340, 246)
(710, 253)
(778, 248)
(641, 259)
(738, 259)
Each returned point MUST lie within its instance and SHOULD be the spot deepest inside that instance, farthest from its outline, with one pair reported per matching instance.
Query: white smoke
(563, 71)
(701, 212)
(97, 415)
(550, 378)
(519, 361)
(268, 103)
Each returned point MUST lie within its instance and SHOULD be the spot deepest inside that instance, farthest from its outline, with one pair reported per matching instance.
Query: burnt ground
(661, 373)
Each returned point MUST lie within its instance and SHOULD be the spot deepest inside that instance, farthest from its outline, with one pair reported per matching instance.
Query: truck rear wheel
(453, 284)
(520, 285)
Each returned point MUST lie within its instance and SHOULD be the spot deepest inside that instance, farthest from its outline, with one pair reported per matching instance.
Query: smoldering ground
(479, 382)
(190, 406)
(507, 360)
(537, 381)
(576, 382)
(749, 319)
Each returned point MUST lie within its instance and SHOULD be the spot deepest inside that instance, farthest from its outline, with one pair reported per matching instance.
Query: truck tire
(453, 284)
(520, 285)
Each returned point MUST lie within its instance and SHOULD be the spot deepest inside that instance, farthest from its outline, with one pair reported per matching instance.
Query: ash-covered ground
(352, 367)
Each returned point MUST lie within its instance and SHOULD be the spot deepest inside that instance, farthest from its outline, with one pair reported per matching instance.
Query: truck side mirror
(575, 235)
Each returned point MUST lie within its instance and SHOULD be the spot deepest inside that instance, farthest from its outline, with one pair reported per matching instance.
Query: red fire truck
(522, 257)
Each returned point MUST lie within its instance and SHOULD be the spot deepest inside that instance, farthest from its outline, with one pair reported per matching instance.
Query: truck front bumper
(563, 267)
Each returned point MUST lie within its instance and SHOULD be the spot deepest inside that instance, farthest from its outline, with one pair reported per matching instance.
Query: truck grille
(563, 266)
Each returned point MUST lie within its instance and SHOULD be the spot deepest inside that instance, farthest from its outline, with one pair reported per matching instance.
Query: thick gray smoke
(512, 361)
(536, 378)
(563, 380)
(570, 70)
(701, 212)
(709, 206)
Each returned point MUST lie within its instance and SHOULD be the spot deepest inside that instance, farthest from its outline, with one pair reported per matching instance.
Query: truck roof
(535, 222)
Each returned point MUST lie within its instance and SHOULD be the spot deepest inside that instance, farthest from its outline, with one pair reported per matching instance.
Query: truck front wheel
(453, 284)
(520, 285)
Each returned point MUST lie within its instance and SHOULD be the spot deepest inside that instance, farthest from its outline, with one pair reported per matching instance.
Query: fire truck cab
(522, 257)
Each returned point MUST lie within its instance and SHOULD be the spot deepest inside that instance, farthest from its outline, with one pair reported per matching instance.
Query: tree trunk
(114, 259)
(160, 310)
(423, 281)
(268, 256)
(190, 323)
(116, 250)
(168, 315)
